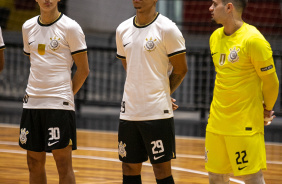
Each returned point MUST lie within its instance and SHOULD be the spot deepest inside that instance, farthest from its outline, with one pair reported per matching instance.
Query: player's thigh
(159, 139)
(256, 178)
(59, 129)
(63, 157)
(247, 153)
(35, 160)
(216, 155)
(131, 168)
(131, 147)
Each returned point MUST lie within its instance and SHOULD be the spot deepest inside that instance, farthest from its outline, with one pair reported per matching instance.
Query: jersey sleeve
(26, 48)
(174, 41)
(120, 50)
(213, 38)
(261, 56)
(2, 45)
(76, 39)
(211, 42)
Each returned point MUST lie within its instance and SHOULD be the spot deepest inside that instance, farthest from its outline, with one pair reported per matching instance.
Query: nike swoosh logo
(240, 168)
(126, 44)
(50, 144)
(213, 53)
(30, 42)
(156, 158)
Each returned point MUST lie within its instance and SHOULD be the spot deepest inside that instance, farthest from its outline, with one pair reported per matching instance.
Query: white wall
(100, 15)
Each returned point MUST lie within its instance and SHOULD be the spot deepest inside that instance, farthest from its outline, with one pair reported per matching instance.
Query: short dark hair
(239, 4)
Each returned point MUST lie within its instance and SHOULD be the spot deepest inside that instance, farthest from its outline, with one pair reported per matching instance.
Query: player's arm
(270, 91)
(26, 49)
(260, 53)
(81, 62)
(123, 63)
(2, 60)
(120, 49)
(179, 71)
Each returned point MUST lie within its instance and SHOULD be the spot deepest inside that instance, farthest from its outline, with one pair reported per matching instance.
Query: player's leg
(132, 151)
(131, 169)
(215, 178)
(63, 159)
(159, 138)
(131, 173)
(32, 139)
(247, 156)
(163, 173)
(216, 158)
(60, 131)
(36, 165)
(256, 178)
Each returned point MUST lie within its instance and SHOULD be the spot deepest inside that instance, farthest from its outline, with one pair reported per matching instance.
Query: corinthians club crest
(233, 56)
(23, 137)
(121, 149)
(54, 44)
(150, 44)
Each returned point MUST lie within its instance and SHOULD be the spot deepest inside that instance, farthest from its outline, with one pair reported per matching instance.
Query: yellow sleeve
(270, 89)
(261, 55)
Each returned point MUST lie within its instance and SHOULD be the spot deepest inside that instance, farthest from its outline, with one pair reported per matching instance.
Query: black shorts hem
(132, 162)
(49, 151)
(27, 149)
(161, 161)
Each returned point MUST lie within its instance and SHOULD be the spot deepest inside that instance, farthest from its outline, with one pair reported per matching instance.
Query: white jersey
(2, 45)
(147, 50)
(50, 48)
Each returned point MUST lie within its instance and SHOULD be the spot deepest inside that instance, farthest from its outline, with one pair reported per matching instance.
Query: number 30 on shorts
(158, 146)
(54, 133)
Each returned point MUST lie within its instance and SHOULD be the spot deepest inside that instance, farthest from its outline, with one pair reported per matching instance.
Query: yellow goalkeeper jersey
(239, 60)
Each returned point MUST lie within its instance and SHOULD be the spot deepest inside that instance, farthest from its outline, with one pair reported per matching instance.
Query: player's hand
(174, 106)
(268, 117)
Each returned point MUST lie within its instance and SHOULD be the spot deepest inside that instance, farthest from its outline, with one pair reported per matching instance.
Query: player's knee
(35, 164)
(256, 178)
(131, 169)
(162, 170)
(64, 166)
(215, 178)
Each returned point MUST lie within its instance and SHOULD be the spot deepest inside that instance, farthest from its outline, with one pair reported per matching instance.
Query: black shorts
(139, 140)
(47, 129)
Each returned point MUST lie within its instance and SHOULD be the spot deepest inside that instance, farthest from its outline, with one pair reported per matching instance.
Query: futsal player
(53, 43)
(149, 45)
(246, 89)
(2, 47)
